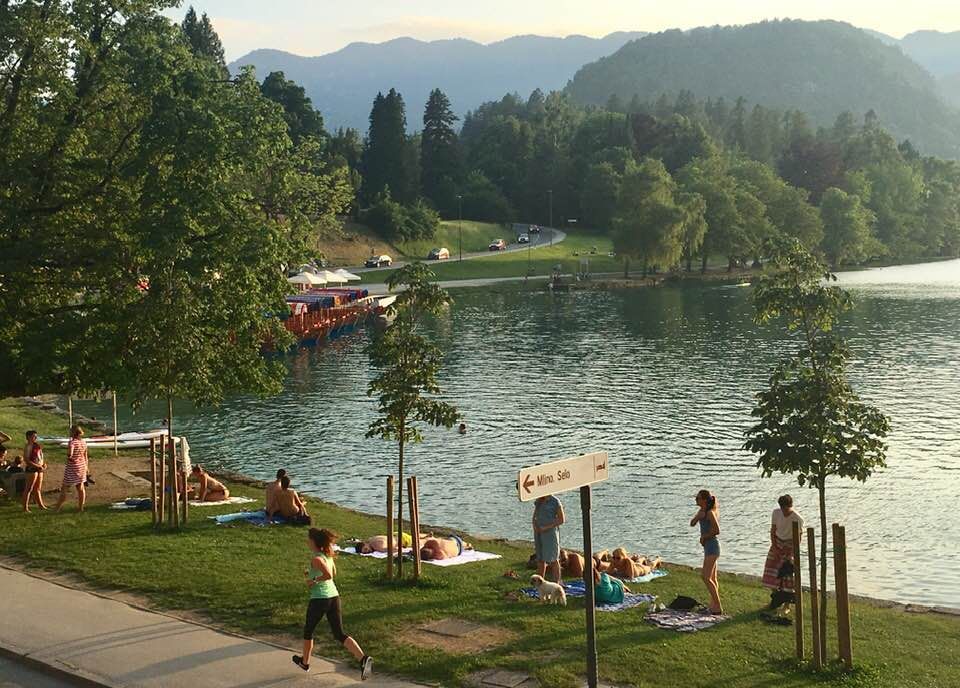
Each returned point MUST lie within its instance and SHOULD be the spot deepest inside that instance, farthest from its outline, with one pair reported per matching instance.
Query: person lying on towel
(621, 564)
(378, 543)
(607, 589)
(443, 548)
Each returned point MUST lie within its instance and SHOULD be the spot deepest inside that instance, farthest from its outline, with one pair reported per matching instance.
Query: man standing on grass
(547, 519)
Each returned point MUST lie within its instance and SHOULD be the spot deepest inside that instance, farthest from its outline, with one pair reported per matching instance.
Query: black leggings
(316, 609)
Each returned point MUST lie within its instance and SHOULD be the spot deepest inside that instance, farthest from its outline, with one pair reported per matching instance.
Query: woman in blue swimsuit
(708, 517)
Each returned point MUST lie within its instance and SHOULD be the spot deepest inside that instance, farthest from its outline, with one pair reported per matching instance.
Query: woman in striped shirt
(75, 473)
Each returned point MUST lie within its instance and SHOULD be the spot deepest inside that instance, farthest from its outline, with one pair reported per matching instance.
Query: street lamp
(460, 224)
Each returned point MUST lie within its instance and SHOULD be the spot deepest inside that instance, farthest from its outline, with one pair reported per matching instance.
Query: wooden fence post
(842, 595)
(186, 492)
(153, 480)
(798, 589)
(814, 599)
(414, 540)
(162, 494)
(390, 527)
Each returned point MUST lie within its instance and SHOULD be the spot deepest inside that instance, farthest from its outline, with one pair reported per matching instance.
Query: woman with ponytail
(709, 519)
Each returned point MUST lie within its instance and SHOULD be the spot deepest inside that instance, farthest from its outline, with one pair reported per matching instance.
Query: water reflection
(663, 379)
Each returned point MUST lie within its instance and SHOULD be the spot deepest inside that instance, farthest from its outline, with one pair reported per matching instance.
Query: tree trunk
(703, 264)
(823, 570)
(730, 262)
(626, 268)
(400, 517)
(689, 262)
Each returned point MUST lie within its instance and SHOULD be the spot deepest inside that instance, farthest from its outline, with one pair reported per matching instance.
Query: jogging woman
(709, 520)
(325, 601)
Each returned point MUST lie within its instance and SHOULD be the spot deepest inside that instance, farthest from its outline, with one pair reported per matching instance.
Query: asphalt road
(15, 675)
(536, 241)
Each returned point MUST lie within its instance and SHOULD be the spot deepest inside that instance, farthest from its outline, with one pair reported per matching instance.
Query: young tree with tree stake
(810, 423)
(406, 386)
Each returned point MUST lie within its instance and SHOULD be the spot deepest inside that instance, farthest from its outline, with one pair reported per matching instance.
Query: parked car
(534, 229)
(498, 245)
(439, 254)
(383, 261)
(523, 239)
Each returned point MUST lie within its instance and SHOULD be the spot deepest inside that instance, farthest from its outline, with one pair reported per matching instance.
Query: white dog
(549, 592)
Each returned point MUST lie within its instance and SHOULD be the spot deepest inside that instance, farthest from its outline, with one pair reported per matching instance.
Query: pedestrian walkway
(112, 644)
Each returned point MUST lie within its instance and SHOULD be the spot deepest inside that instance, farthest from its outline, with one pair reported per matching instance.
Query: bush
(482, 200)
(397, 222)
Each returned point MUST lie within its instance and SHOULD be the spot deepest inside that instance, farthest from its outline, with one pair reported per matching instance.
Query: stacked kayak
(125, 440)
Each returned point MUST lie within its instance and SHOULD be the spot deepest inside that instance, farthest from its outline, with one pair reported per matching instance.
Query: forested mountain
(822, 68)
(342, 84)
(940, 54)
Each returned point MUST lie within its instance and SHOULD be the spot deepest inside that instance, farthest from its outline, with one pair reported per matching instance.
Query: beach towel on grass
(375, 555)
(577, 589)
(653, 575)
(232, 500)
(684, 621)
(132, 504)
(468, 557)
(257, 518)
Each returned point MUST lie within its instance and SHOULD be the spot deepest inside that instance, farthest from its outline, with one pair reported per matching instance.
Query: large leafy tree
(848, 235)
(142, 194)
(710, 179)
(809, 421)
(440, 160)
(407, 384)
(649, 224)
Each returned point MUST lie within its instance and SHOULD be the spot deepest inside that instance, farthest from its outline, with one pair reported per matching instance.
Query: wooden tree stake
(798, 590)
(842, 595)
(390, 526)
(153, 480)
(162, 494)
(814, 598)
(414, 540)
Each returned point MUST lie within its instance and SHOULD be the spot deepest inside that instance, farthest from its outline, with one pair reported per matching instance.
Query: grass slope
(250, 580)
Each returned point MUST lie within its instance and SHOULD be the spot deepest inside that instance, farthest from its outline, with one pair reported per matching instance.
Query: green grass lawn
(250, 580)
(568, 254)
(476, 237)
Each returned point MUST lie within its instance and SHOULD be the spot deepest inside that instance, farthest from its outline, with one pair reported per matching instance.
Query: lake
(662, 379)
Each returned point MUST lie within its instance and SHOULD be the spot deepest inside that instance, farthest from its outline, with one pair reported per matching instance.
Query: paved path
(115, 645)
(16, 675)
(546, 237)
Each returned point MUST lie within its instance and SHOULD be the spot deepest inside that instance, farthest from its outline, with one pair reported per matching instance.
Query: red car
(498, 245)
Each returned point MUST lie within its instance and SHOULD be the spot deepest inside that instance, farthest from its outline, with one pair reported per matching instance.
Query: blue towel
(257, 518)
(653, 575)
(577, 589)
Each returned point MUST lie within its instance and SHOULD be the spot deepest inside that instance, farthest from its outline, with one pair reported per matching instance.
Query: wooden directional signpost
(560, 476)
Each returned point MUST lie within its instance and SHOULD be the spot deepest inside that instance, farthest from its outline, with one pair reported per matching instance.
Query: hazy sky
(314, 27)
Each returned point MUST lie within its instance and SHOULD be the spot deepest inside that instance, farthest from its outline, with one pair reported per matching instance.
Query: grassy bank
(250, 580)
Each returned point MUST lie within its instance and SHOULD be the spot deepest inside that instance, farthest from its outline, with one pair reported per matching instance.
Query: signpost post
(559, 476)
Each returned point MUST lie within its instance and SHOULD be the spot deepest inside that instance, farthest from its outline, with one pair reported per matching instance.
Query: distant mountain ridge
(342, 84)
(821, 68)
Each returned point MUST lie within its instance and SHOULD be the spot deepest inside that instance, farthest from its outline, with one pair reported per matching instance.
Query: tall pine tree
(384, 155)
(440, 167)
(302, 119)
(203, 39)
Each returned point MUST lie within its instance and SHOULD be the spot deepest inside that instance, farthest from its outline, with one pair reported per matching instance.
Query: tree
(408, 365)
(203, 39)
(694, 224)
(710, 179)
(439, 150)
(302, 119)
(385, 161)
(649, 225)
(810, 422)
(599, 196)
(847, 228)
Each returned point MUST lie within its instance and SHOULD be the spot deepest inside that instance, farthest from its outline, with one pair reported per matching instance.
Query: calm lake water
(663, 380)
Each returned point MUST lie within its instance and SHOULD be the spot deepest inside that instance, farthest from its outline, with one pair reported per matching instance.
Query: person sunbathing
(629, 566)
(443, 548)
(571, 563)
(378, 543)
(289, 505)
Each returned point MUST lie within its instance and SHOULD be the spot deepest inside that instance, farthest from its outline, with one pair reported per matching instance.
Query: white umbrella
(307, 278)
(349, 276)
(332, 276)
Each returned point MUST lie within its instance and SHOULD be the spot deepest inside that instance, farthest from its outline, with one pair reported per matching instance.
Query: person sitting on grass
(270, 494)
(288, 504)
(434, 548)
(210, 489)
(607, 589)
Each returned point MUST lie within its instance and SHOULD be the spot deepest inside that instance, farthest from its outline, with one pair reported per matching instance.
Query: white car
(523, 239)
(383, 261)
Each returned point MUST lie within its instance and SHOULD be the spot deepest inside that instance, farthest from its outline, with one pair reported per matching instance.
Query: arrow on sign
(527, 484)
